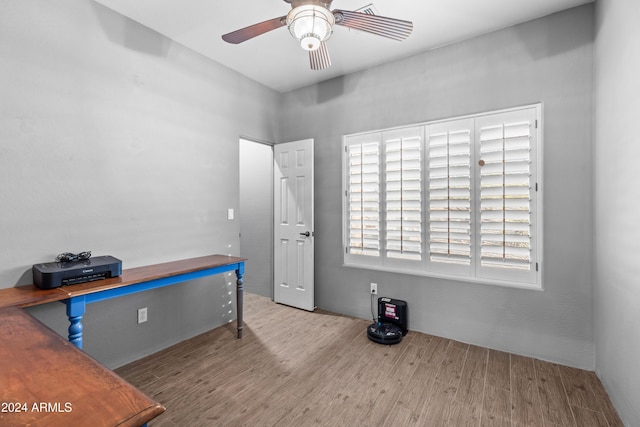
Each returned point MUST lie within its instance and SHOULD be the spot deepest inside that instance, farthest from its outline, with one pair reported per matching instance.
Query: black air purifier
(392, 324)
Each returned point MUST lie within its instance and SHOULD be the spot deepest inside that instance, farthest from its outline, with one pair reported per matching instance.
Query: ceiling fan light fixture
(311, 25)
(310, 42)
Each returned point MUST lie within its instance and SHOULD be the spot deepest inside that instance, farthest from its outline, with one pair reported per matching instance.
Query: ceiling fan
(311, 22)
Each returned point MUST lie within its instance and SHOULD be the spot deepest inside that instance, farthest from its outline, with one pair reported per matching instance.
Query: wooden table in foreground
(46, 381)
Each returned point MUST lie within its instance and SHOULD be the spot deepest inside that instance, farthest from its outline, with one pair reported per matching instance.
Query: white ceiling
(276, 60)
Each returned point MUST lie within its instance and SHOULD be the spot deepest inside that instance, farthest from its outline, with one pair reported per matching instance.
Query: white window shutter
(449, 201)
(506, 195)
(363, 195)
(403, 193)
(454, 198)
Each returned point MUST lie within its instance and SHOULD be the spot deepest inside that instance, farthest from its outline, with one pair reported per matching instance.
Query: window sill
(463, 279)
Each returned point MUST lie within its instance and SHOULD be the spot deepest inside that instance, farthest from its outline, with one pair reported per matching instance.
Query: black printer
(55, 274)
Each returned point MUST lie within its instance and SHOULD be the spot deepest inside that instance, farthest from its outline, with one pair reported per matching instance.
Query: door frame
(268, 211)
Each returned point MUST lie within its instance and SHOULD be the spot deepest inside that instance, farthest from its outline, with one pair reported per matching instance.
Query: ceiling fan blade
(254, 30)
(319, 58)
(392, 28)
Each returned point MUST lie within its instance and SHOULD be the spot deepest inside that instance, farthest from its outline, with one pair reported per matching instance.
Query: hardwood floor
(295, 368)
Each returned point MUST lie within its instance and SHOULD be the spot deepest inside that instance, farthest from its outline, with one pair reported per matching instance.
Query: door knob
(306, 234)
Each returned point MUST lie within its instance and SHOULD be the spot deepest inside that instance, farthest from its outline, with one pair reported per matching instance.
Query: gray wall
(547, 60)
(617, 203)
(116, 140)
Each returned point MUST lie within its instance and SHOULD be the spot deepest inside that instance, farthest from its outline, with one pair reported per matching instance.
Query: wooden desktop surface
(46, 381)
(30, 295)
(26, 296)
(131, 276)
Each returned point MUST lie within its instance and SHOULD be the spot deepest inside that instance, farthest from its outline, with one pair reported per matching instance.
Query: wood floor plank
(401, 416)
(285, 408)
(463, 415)
(587, 417)
(522, 367)
(603, 401)
(584, 390)
(435, 350)
(400, 380)
(496, 405)
(578, 391)
(472, 380)
(450, 369)
(438, 408)
(418, 339)
(407, 363)
(386, 354)
(418, 390)
(526, 409)
(364, 400)
(498, 370)
(379, 409)
(477, 353)
(490, 420)
(553, 398)
(321, 370)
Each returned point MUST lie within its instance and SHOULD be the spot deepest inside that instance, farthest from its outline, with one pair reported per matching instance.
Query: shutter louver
(364, 198)
(403, 195)
(506, 196)
(450, 196)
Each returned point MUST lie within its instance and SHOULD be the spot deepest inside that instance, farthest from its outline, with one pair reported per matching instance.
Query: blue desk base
(76, 306)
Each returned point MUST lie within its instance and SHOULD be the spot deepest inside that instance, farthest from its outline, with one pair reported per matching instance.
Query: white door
(293, 228)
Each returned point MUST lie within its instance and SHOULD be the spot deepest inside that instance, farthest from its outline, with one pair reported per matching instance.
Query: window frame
(425, 266)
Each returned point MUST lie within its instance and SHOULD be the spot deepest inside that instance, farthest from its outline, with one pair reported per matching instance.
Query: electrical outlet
(142, 315)
(374, 289)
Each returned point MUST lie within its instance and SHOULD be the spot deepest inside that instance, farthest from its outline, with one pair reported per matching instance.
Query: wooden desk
(132, 280)
(46, 381)
(150, 277)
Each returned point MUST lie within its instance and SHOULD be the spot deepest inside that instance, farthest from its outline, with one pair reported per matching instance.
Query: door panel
(293, 228)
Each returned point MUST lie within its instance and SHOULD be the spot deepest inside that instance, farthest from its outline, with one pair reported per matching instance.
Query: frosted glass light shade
(311, 25)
